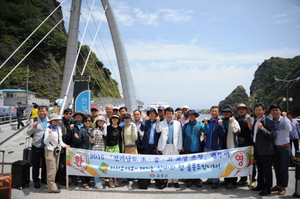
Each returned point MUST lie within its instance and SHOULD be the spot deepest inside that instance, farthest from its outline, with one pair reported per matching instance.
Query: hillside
(46, 63)
(265, 89)
(237, 96)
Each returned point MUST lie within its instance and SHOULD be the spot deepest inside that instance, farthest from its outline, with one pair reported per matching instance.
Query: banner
(222, 163)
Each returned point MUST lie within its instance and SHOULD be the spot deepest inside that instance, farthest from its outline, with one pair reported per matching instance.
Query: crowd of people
(167, 132)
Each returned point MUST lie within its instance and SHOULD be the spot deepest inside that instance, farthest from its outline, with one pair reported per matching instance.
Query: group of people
(167, 132)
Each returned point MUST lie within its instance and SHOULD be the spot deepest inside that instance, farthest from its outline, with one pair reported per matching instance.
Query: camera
(57, 150)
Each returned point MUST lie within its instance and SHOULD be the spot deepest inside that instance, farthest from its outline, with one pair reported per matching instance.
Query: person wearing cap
(74, 129)
(184, 119)
(115, 110)
(53, 146)
(151, 136)
(129, 136)
(170, 141)
(160, 112)
(282, 128)
(232, 129)
(245, 136)
(98, 141)
(113, 142)
(264, 150)
(94, 112)
(191, 133)
(137, 116)
(36, 130)
(214, 139)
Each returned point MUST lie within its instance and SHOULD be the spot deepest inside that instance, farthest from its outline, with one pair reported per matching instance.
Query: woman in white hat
(53, 145)
(98, 141)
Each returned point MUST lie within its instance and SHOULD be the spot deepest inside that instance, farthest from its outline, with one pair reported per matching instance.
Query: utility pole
(287, 83)
(27, 82)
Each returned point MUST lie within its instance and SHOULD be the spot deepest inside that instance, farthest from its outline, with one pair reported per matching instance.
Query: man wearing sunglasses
(64, 124)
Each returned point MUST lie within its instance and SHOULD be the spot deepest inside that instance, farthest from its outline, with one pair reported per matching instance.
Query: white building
(12, 96)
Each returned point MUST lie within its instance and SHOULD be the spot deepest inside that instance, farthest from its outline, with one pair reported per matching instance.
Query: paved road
(15, 147)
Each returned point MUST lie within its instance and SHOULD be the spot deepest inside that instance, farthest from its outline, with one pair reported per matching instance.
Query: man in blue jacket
(214, 139)
(191, 133)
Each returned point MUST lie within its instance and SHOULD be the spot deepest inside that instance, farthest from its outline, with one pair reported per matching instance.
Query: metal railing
(8, 114)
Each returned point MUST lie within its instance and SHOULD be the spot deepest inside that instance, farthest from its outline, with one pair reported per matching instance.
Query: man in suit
(170, 141)
(150, 138)
(264, 150)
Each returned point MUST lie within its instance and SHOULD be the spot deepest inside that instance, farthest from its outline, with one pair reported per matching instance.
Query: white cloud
(176, 15)
(146, 18)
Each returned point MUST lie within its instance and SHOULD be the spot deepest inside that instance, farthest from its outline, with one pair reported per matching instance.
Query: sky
(192, 52)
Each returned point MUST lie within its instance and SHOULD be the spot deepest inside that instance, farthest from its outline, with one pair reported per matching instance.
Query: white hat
(100, 118)
(54, 116)
(186, 106)
(115, 108)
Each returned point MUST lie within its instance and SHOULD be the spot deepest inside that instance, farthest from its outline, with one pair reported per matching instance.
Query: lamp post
(287, 83)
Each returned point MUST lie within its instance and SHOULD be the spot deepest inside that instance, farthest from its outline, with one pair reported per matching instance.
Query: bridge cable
(31, 34)
(32, 49)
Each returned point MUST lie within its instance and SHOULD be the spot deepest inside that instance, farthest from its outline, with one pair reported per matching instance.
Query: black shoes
(37, 185)
(264, 193)
(257, 188)
(161, 184)
(207, 182)
(215, 186)
(189, 183)
(198, 183)
(176, 185)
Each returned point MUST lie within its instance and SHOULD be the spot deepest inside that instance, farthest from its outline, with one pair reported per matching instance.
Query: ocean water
(202, 116)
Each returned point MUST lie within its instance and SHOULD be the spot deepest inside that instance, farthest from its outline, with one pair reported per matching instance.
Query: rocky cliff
(267, 90)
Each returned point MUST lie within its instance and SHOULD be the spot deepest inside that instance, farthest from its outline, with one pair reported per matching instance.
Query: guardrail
(8, 114)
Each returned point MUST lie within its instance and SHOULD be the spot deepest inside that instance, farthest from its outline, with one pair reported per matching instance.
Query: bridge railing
(8, 114)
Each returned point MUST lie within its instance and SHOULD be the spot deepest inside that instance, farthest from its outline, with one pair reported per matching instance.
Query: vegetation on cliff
(237, 96)
(18, 18)
(265, 89)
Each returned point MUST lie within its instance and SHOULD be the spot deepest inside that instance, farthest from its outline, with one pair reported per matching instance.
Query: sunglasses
(88, 121)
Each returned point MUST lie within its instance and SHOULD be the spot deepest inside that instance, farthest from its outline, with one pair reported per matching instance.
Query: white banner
(222, 163)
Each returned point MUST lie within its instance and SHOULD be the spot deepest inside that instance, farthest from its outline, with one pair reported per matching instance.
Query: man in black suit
(264, 150)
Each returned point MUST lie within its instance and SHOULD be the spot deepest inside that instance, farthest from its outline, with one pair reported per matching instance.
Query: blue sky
(194, 52)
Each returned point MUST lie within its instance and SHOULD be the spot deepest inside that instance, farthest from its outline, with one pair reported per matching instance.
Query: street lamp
(287, 83)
